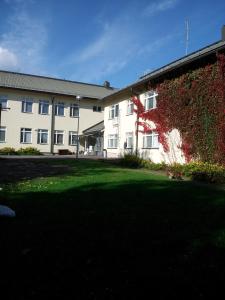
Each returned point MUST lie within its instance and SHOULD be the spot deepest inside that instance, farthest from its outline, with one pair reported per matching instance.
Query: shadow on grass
(108, 241)
(16, 170)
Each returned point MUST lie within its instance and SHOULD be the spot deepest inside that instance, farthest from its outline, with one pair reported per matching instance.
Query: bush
(7, 151)
(175, 171)
(154, 166)
(29, 151)
(132, 161)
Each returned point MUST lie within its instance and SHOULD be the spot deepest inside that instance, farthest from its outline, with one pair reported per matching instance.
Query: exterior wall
(126, 123)
(14, 119)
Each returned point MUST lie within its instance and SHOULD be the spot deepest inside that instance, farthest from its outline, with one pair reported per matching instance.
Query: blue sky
(94, 41)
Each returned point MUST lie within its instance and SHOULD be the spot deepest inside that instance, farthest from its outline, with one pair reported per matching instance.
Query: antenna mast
(187, 36)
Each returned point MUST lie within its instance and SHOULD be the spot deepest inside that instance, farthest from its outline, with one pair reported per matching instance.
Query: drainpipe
(52, 126)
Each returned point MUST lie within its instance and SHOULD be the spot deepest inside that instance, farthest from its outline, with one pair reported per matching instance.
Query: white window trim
(150, 95)
(24, 105)
(3, 128)
(40, 131)
(130, 107)
(40, 108)
(71, 133)
(57, 109)
(114, 138)
(74, 105)
(152, 134)
(129, 135)
(24, 131)
(4, 98)
(59, 132)
(112, 111)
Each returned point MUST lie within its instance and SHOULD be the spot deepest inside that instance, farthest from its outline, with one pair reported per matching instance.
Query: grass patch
(111, 230)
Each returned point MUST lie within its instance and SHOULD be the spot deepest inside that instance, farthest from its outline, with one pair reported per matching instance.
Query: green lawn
(103, 232)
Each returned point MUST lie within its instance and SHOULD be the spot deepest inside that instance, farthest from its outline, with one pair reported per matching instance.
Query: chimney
(107, 84)
(223, 33)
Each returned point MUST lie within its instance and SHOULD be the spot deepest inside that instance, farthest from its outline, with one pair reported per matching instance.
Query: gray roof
(52, 85)
(213, 48)
(95, 128)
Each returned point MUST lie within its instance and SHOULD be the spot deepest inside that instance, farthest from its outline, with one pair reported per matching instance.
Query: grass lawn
(102, 232)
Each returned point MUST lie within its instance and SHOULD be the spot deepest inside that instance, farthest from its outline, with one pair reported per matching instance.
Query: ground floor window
(2, 134)
(129, 140)
(151, 140)
(26, 135)
(73, 138)
(58, 137)
(113, 141)
(42, 136)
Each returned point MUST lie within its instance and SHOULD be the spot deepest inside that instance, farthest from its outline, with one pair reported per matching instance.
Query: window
(2, 134)
(73, 138)
(3, 102)
(113, 141)
(129, 140)
(97, 108)
(59, 109)
(74, 110)
(27, 106)
(43, 107)
(25, 136)
(151, 140)
(150, 100)
(113, 111)
(42, 136)
(58, 137)
(130, 107)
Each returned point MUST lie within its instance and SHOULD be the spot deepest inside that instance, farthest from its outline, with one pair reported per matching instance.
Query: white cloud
(8, 60)
(25, 38)
(156, 7)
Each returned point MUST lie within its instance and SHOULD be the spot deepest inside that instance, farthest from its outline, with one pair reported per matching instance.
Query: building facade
(47, 113)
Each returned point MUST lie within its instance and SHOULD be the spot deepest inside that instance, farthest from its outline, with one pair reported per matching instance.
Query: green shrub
(7, 151)
(29, 151)
(154, 166)
(132, 161)
(175, 171)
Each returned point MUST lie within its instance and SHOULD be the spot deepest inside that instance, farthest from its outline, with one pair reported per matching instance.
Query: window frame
(113, 111)
(56, 134)
(4, 99)
(3, 129)
(128, 136)
(40, 132)
(114, 138)
(57, 109)
(25, 103)
(23, 132)
(152, 95)
(42, 103)
(130, 107)
(72, 108)
(153, 144)
(71, 134)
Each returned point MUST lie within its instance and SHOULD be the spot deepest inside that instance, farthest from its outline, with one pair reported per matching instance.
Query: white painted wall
(126, 123)
(14, 119)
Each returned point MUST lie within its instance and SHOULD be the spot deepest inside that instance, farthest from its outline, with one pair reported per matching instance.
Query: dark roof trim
(94, 128)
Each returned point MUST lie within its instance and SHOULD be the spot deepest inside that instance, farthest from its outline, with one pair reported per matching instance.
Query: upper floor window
(42, 136)
(130, 107)
(113, 111)
(43, 107)
(59, 109)
(74, 110)
(3, 102)
(97, 108)
(2, 134)
(151, 140)
(25, 135)
(73, 138)
(150, 100)
(27, 105)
